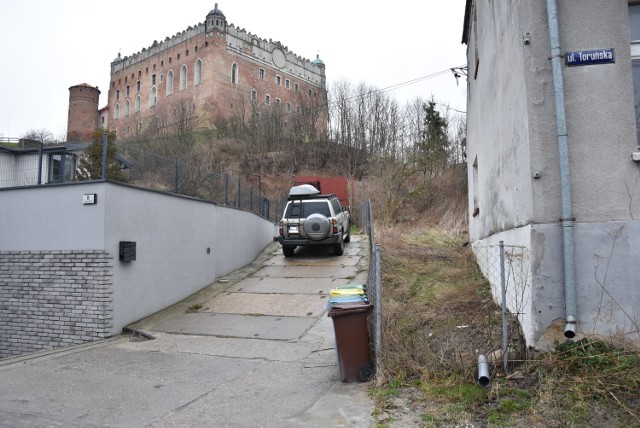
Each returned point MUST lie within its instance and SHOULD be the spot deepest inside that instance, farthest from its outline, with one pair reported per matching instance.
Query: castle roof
(216, 11)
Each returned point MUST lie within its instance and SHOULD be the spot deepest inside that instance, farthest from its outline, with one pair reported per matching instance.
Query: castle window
(154, 67)
(234, 74)
(278, 80)
(116, 112)
(126, 108)
(206, 44)
(278, 102)
(113, 85)
(289, 107)
(117, 94)
(262, 73)
(254, 95)
(197, 78)
(309, 92)
(146, 70)
(139, 126)
(136, 106)
(183, 78)
(153, 98)
(125, 79)
(162, 63)
(138, 86)
(267, 99)
(296, 87)
(178, 56)
(128, 129)
(187, 52)
(169, 60)
(287, 84)
(139, 73)
(153, 79)
(128, 89)
(196, 49)
(170, 82)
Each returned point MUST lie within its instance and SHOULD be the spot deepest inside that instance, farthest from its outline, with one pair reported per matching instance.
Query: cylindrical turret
(83, 112)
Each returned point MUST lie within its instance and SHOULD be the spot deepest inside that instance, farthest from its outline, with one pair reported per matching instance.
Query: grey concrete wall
(172, 236)
(512, 134)
(183, 244)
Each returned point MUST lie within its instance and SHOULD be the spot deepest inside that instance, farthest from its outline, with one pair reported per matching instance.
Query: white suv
(311, 219)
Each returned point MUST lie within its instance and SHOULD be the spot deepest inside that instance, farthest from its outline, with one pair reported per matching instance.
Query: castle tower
(83, 112)
(215, 20)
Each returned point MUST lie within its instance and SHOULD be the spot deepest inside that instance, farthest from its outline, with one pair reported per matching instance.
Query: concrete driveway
(254, 349)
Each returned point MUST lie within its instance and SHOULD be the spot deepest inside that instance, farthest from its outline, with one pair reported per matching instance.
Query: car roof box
(303, 190)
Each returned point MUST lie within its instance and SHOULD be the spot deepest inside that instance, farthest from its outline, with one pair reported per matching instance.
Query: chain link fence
(374, 281)
(508, 270)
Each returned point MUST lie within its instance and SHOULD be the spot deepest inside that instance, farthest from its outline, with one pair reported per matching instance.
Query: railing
(42, 165)
(374, 282)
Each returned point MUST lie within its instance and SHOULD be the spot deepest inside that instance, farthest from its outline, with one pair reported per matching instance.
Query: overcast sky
(50, 45)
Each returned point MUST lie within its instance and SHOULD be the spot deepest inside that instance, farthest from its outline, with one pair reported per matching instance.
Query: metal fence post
(239, 194)
(226, 190)
(177, 175)
(40, 150)
(251, 198)
(104, 155)
(505, 333)
(378, 303)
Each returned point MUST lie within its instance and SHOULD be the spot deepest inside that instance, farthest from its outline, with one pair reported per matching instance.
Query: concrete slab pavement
(254, 349)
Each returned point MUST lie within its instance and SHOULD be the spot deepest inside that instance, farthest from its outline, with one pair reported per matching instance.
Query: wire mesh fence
(508, 270)
(374, 281)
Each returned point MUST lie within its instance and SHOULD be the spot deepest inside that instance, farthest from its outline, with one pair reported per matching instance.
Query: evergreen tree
(433, 148)
(90, 163)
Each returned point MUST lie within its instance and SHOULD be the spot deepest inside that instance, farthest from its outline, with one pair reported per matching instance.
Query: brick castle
(215, 72)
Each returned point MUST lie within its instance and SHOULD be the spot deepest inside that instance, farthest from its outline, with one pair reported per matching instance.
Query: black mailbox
(127, 251)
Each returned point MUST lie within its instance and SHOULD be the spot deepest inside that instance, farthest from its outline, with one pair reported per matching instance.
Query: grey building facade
(553, 160)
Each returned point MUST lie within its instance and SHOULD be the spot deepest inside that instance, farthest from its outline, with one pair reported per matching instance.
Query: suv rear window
(305, 209)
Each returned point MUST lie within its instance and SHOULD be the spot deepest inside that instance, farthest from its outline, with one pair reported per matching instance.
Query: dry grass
(438, 315)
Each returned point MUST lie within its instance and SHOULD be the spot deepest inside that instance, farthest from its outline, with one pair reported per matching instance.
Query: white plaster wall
(497, 122)
(51, 218)
(515, 102)
(172, 235)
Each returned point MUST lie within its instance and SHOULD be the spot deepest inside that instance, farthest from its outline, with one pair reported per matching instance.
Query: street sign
(598, 56)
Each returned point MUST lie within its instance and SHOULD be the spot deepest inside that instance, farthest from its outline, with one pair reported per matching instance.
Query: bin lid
(349, 286)
(348, 308)
(346, 292)
(346, 299)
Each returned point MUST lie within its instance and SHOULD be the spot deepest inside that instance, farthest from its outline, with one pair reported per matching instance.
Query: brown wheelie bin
(352, 340)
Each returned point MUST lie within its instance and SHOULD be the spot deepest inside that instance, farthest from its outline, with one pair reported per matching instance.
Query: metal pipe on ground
(483, 371)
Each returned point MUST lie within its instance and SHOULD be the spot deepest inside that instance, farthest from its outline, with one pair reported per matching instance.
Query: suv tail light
(281, 229)
(334, 222)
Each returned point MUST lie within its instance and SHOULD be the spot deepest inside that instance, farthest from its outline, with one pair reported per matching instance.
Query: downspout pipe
(565, 177)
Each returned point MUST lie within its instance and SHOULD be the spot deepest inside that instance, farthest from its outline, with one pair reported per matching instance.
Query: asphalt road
(254, 349)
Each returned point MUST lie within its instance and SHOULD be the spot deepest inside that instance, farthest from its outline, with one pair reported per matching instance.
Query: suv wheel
(288, 250)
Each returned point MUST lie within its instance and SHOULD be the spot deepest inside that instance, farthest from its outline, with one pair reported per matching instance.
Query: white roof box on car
(303, 190)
